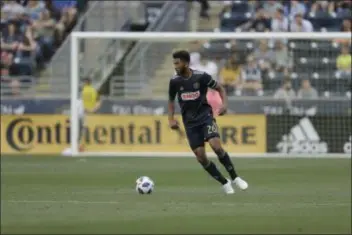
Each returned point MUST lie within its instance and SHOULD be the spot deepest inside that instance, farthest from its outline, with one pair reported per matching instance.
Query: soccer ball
(144, 185)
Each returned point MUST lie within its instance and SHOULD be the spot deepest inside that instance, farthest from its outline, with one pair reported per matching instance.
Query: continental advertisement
(50, 134)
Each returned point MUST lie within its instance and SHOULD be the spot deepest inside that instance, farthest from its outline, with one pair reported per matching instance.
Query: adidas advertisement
(304, 135)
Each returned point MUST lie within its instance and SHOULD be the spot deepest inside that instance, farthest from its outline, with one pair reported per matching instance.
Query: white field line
(301, 204)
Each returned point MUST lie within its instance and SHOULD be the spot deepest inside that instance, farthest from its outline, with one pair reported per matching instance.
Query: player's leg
(80, 134)
(196, 142)
(213, 138)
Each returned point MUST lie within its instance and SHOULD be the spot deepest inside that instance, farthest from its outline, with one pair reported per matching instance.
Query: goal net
(289, 93)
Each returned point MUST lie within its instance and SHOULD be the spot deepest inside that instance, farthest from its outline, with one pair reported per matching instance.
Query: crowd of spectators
(244, 74)
(31, 32)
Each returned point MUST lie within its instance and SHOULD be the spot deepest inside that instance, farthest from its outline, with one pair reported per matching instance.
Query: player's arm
(211, 83)
(171, 105)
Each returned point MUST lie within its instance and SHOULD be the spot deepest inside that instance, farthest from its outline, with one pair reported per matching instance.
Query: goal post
(165, 37)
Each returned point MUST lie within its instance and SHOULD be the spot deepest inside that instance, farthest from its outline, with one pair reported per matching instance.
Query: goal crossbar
(176, 36)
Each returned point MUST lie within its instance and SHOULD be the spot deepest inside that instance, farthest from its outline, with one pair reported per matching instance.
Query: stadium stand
(325, 64)
(31, 32)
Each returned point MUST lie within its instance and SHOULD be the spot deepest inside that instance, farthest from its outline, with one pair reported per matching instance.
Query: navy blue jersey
(192, 97)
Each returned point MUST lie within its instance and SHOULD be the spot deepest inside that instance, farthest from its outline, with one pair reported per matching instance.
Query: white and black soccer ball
(144, 185)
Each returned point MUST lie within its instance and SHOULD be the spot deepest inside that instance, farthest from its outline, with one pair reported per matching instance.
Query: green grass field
(96, 195)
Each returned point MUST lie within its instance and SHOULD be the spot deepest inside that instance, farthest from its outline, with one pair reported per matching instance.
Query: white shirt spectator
(305, 27)
(282, 93)
(212, 69)
(279, 25)
(195, 61)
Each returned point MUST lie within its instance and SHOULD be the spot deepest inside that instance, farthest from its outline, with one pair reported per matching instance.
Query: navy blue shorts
(200, 134)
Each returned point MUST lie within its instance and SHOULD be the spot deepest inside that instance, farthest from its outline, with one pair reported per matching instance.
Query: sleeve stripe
(214, 84)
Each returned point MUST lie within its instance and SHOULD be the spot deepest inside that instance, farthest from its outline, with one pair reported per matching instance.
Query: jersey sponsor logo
(347, 146)
(190, 95)
(303, 138)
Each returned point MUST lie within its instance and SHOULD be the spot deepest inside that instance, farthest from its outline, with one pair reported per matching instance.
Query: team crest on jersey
(190, 95)
(196, 85)
(181, 88)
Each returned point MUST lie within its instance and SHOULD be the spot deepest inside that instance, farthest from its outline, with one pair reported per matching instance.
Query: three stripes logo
(303, 138)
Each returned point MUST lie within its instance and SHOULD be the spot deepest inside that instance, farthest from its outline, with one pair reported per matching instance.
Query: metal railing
(101, 16)
(146, 57)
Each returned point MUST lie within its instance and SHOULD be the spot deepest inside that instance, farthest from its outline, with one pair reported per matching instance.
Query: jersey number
(212, 128)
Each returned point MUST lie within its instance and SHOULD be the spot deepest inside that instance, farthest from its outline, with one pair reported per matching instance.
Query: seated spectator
(345, 27)
(301, 25)
(229, 76)
(297, 7)
(10, 38)
(261, 22)
(251, 78)
(343, 9)
(271, 7)
(66, 23)
(24, 56)
(44, 29)
(307, 91)
(264, 56)
(285, 91)
(6, 63)
(322, 8)
(343, 61)
(12, 9)
(210, 67)
(279, 23)
(282, 60)
(34, 8)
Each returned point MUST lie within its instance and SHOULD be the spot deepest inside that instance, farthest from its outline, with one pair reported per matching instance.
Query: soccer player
(190, 87)
(89, 101)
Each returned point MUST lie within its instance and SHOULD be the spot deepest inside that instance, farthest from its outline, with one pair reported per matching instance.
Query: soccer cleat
(228, 188)
(240, 183)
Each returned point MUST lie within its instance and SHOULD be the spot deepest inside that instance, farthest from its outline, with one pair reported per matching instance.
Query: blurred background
(35, 47)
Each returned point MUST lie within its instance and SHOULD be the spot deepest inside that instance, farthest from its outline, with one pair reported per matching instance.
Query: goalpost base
(210, 154)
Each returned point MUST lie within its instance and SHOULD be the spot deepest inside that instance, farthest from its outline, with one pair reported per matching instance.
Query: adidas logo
(347, 146)
(303, 138)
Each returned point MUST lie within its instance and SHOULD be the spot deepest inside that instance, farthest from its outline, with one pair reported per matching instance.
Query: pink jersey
(214, 100)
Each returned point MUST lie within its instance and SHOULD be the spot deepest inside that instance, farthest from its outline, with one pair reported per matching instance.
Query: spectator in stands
(343, 61)
(285, 91)
(229, 76)
(10, 38)
(282, 61)
(346, 26)
(299, 24)
(34, 9)
(44, 29)
(279, 22)
(210, 67)
(322, 8)
(264, 56)
(6, 62)
(343, 9)
(297, 7)
(307, 91)
(12, 9)
(261, 22)
(251, 78)
(15, 86)
(25, 54)
(271, 7)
